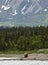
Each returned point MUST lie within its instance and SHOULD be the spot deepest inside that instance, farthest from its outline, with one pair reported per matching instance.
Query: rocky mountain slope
(23, 12)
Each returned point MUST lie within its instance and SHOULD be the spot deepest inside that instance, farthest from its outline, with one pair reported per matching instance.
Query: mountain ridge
(24, 12)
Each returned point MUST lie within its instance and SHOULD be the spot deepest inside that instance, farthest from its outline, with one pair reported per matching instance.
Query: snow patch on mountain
(22, 11)
(6, 1)
(0, 11)
(15, 13)
(28, 1)
(30, 9)
(5, 7)
(29, 6)
(45, 10)
(40, 8)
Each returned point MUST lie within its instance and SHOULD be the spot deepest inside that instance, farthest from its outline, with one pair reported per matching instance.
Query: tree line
(23, 38)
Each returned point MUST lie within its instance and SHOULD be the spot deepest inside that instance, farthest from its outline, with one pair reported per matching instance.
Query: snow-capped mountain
(23, 12)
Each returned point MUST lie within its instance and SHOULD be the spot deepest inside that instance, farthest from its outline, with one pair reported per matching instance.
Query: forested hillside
(23, 38)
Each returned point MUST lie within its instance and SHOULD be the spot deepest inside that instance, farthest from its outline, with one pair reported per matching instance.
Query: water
(19, 62)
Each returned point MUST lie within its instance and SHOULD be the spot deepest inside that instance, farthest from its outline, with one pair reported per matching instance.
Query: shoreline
(21, 57)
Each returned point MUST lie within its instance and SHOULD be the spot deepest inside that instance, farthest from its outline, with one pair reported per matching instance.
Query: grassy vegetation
(45, 51)
(17, 52)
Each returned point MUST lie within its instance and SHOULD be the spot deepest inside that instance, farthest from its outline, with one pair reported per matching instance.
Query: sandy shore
(21, 57)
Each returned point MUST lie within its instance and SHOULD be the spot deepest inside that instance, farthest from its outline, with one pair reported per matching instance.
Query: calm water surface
(15, 62)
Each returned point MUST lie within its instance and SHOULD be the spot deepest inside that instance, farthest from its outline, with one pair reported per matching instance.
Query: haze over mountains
(23, 12)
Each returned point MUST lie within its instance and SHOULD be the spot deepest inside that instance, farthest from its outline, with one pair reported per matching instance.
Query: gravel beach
(21, 57)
